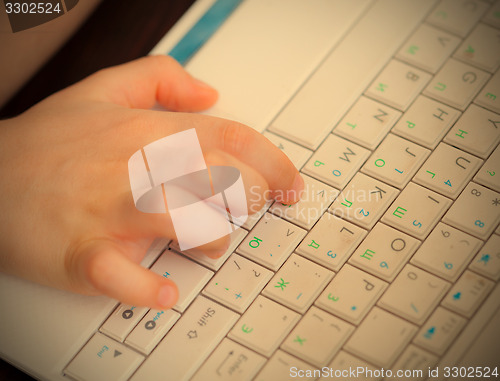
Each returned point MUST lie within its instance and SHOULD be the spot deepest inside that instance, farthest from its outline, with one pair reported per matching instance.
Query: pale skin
(68, 218)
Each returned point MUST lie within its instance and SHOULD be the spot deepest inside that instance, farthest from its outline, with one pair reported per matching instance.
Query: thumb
(104, 266)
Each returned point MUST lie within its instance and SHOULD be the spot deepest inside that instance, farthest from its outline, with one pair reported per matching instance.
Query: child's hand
(68, 219)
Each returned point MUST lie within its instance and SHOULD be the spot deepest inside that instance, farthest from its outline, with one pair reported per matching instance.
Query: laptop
(390, 265)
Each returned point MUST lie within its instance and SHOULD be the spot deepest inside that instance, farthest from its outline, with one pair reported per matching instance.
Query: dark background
(118, 31)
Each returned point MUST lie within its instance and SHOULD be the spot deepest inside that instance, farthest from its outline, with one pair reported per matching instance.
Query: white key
(337, 83)
(152, 328)
(285, 367)
(264, 326)
(489, 174)
(428, 48)
(456, 84)
(346, 366)
(457, 17)
(336, 161)
(489, 96)
(237, 283)
(384, 252)
(214, 263)
(254, 218)
(307, 340)
(414, 294)
(439, 331)
(476, 211)
(298, 155)
(417, 361)
(331, 241)
(230, 361)
(395, 161)
(364, 200)
(367, 122)
(481, 48)
(426, 122)
(492, 17)
(189, 277)
(315, 199)
(477, 132)
(487, 261)
(381, 337)
(398, 85)
(416, 210)
(351, 294)
(468, 293)
(446, 252)
(103, 359)
(297, 283)
(189, 343)
(271, 241)
(124, 318)
(448, 170)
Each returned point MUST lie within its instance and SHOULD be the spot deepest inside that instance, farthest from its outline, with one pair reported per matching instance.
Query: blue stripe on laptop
(203, 30)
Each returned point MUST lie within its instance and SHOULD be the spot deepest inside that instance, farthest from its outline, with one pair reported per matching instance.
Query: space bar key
(189, 343)
(347, 71)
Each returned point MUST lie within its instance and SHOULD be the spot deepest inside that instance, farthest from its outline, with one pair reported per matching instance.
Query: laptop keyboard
(385, 261)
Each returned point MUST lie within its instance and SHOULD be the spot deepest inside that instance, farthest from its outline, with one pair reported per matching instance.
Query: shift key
(189, 343)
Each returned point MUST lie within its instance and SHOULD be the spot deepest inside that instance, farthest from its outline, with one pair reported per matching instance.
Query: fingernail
(166, 296)
(202, 84)
(297, 187)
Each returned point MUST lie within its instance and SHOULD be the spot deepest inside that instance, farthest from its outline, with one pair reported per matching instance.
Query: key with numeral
(297, 154)
(468, 293)
(489, 96)
(351, 294)
(282, 366)
(271, 241)
(363, 200)
(307, 339)
(487, 261)
(447, 170)
(426, 122)
(398, 85)
(476, 211)
(384, 252)
(489, 174)
(237, 283)
(481, 48)
(297, 283)
(446, 252)
(428, 48)
(331, 241)
(189, 342)
(415, 358)
(367, 122)
(416, 210)
(152, 328)
(189, 276)
(264, 325)
(230, 361)
(122, 321)
(456, 84)
(477, 132)
(414, 294)
(336, 161)
(315, 199)
(457, 17)
(104, 359)
(380, 338)
(214, 263)
(439, 331)
(395, 161)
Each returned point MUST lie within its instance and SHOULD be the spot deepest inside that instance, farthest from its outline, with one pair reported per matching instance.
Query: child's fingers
(143, 82)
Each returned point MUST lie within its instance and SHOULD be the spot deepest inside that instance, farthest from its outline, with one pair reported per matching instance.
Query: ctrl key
(103, 358)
